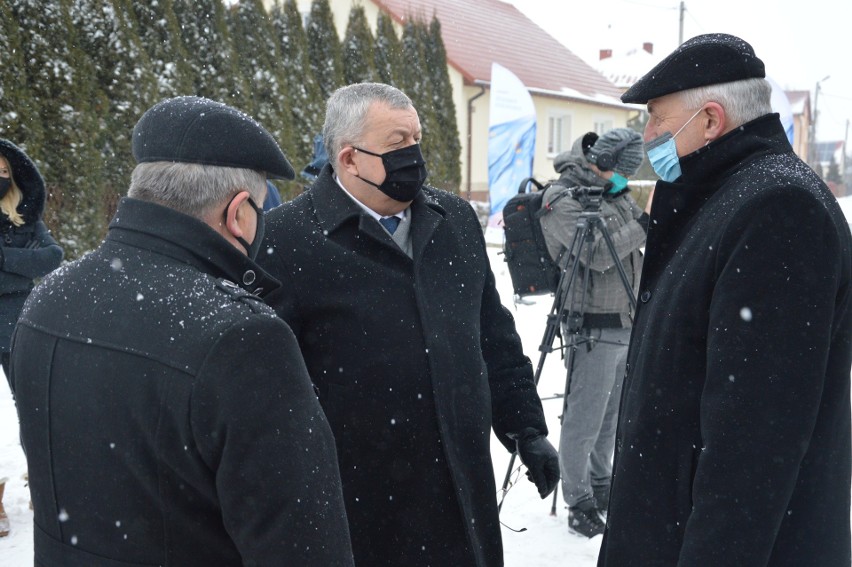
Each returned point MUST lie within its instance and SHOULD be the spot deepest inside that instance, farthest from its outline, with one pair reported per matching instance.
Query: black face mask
(5, 185)
(405, 172)
(254, 248)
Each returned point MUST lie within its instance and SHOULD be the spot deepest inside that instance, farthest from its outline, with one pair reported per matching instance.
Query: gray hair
(192, 188)
(346, 113)
(743, 101)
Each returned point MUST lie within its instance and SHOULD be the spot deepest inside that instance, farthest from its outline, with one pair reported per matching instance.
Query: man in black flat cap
(166, 412)
(733, 443)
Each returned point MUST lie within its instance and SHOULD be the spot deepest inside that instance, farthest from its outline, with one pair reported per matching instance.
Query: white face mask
(662, 153)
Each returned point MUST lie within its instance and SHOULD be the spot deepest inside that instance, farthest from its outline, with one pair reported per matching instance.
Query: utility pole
(680, 32)
(812, 142)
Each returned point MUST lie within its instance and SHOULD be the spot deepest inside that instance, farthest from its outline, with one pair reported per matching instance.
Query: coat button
(645, 297)
(249, 277)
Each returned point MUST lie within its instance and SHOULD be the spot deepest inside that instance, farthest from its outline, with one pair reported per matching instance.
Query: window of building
(603, 125)
(558, 133)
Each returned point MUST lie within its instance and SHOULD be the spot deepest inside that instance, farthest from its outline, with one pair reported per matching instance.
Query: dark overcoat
(733, 444)
(415, 360)
(166, 413)
(27, 251)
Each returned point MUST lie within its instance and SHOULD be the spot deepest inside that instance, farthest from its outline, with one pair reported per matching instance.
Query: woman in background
(27, 251)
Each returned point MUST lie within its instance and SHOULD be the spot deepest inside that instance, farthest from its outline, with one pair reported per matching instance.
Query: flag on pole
(511, 139)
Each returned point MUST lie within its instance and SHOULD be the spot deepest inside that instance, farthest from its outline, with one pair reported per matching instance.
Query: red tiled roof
(479, 32)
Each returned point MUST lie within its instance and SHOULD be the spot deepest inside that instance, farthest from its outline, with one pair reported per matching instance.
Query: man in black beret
(734, 436)
(166, 412)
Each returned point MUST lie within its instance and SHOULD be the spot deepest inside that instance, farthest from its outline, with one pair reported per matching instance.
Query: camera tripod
(589, 220)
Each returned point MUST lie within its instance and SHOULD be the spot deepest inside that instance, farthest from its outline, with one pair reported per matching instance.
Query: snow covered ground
(544, 541)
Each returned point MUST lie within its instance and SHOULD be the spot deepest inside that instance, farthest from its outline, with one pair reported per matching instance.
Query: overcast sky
(799, 41)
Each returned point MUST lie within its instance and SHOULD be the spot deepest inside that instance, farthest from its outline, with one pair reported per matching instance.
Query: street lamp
(813, 152)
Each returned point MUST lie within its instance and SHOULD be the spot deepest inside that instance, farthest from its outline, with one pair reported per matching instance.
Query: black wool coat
(28, 251)
(166, 413)
(415, 360)
(733, 444)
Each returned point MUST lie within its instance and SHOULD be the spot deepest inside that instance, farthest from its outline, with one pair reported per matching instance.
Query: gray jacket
(605, 293)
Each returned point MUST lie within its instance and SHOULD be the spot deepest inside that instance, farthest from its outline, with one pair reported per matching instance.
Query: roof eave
(611, 103)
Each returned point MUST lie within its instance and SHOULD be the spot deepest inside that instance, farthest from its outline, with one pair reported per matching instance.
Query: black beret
(198, 130)
(704, 60)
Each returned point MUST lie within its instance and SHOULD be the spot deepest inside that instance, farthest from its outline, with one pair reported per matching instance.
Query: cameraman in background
(593, 388)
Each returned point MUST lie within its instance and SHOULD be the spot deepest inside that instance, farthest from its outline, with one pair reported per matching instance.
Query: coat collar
(720, 158)
(334, 209)
(705, 171)
(168, 232)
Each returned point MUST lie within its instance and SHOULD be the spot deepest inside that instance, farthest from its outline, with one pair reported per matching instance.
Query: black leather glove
(540, 458)
(644, 220)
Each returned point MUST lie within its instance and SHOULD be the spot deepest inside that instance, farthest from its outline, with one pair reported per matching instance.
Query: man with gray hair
(733, 444)
(166, 412)
(388, 289)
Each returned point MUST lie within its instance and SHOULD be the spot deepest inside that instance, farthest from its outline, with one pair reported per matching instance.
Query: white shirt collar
(368, 210)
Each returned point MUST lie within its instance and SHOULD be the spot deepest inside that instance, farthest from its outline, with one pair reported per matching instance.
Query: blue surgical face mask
(662, 153)
(618, 181)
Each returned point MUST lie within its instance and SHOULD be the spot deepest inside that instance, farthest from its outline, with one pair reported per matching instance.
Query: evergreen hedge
(78, 74)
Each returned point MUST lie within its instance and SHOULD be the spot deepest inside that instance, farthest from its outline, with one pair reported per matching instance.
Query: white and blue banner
(511, 139)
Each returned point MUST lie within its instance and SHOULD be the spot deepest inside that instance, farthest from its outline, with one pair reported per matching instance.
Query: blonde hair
(10, 201)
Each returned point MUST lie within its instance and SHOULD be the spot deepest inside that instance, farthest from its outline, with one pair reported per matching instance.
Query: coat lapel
(426, 215)
(343, 221)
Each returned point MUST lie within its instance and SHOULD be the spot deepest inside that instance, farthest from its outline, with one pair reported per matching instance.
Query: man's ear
(234, 214)
(715, 121)
(346, 160)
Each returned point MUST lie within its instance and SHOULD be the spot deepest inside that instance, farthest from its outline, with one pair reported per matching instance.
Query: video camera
(589, 197)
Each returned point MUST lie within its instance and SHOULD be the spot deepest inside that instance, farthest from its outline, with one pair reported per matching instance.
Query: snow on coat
(166, 412)
(733, 445)
(414, 359)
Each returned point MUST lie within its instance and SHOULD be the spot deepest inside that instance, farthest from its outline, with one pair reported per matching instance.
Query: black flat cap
(198, 130)
(704, 60)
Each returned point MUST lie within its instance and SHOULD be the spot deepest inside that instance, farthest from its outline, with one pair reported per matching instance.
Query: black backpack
(531, 268)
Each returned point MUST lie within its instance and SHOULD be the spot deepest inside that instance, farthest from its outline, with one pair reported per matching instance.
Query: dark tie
(390, 223)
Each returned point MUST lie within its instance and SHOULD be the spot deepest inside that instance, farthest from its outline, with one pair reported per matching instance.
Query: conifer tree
(107, 33)
(358, 59)
(307, 105)
(62, 90)
(259, 59)
(212, 58)
(448, 149)
(19, 121)
(324, 48)
(415, 84)
(159, 32)
(387, 54)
